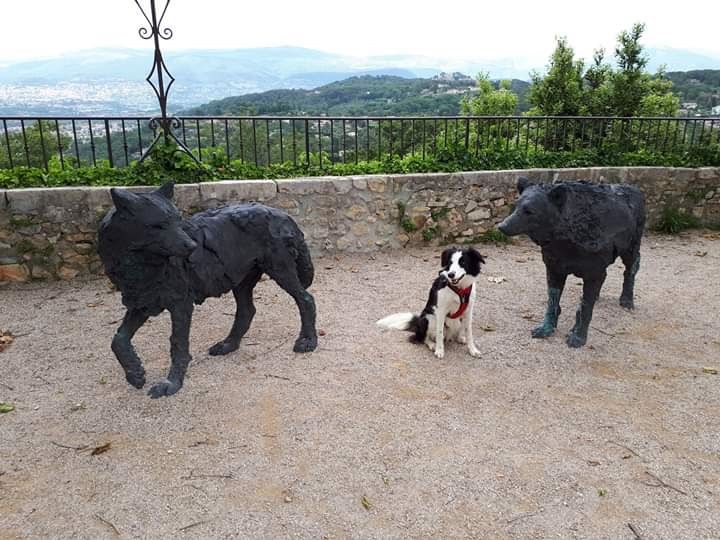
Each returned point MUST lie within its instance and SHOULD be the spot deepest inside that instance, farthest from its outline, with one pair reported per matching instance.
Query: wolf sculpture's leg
(181, 316)
(591, 290)
(243, 315)
(632, 263)
(125, 352)
(556, 284)
(288, 280)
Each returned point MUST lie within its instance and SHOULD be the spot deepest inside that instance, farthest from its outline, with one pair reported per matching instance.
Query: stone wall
(51, 233)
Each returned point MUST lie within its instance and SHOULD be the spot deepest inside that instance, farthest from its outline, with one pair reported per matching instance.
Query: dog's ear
(475, 254)
(523, 183)
(123, 199)
(558, 195)
(445, 257)
(474, 259)
(166, 190)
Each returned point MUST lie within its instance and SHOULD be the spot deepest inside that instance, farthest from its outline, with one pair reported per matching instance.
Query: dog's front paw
(575, 341)
(627, 303)
(542, 331)
(223, 347)
(439, 352)
(474, 352)
(460, 338)
(305, 344)
(164, 388)
(136, 378)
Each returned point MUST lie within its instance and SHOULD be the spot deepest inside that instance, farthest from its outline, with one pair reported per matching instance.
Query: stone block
(306, 186)
(342, 184)
(479, 214)
(13, 273)
(378, 184)
(233, 191)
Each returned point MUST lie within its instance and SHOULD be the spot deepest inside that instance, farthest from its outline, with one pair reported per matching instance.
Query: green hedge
(166, 163)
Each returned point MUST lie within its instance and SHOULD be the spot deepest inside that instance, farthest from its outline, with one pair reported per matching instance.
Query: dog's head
(461, 266)
(151, 222)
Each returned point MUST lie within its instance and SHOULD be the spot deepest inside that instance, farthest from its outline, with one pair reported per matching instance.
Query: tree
(560, 92)
(659, 99)
(35, 148)
(628, 84)
(596, 98)
(490, 101)
(633, 91)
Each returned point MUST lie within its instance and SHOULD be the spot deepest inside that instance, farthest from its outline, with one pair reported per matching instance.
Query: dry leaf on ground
(6, 338)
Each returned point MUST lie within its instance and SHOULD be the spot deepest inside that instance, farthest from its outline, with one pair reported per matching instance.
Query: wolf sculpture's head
(148, 222)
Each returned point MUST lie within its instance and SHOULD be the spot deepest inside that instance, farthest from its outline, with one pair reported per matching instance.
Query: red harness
(464, 295)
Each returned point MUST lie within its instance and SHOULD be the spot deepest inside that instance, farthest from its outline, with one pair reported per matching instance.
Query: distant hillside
(112, 81)
(700, 86)
(358, 96)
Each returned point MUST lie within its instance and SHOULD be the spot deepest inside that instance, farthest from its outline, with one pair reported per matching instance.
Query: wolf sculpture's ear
(522, 183)
(558, 195)
(123, 199)
(166, 190)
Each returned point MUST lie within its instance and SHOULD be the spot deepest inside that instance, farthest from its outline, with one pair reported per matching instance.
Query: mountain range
(111, 81)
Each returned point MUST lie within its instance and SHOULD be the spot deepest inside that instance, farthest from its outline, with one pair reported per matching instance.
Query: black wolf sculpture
(581, 229)
(159, 261)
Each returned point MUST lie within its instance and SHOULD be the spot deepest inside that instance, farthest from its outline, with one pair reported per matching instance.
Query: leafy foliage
(489, 101)
(560, 92)
(673, 221)
(168, 164)
(627, 91)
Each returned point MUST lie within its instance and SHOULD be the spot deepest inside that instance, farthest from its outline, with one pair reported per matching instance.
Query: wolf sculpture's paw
(542, 331)
(164, 388)
(136, 379)
(223, 347)
(305, 344)
(575, 341)
(627, 303)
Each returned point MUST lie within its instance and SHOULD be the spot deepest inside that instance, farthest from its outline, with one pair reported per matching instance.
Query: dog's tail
(305, 268)
(400, 321)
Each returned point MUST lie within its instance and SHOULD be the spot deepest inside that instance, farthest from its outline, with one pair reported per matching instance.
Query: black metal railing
(266, 140)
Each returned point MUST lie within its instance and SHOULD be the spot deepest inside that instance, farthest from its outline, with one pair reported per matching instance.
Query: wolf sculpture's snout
(503, 228)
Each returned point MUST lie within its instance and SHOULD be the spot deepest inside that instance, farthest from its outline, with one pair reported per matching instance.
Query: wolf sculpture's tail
(305, 269)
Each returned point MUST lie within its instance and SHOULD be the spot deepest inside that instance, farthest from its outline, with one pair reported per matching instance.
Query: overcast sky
(476, 29)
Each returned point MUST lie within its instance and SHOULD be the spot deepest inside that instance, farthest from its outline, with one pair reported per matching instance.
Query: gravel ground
(371, 436)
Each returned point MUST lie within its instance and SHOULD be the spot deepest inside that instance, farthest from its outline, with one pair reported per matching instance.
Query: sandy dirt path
(371, 436)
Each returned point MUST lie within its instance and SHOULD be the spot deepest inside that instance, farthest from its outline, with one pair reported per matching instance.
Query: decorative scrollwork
(154, 24)
(160, 80)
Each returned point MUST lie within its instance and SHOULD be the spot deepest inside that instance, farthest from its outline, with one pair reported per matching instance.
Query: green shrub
(166, 163)
(674, 221)
(491, 236)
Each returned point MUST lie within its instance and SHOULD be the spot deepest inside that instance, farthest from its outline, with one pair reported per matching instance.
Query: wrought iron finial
(157, 78)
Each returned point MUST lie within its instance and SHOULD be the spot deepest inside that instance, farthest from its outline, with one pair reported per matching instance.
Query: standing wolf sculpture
(581, 229)
(159, 261)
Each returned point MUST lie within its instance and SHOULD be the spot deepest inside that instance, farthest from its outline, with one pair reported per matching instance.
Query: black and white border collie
(448, 313)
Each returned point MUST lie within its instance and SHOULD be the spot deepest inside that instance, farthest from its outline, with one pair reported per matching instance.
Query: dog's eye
(157, 226)
(527, 211)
